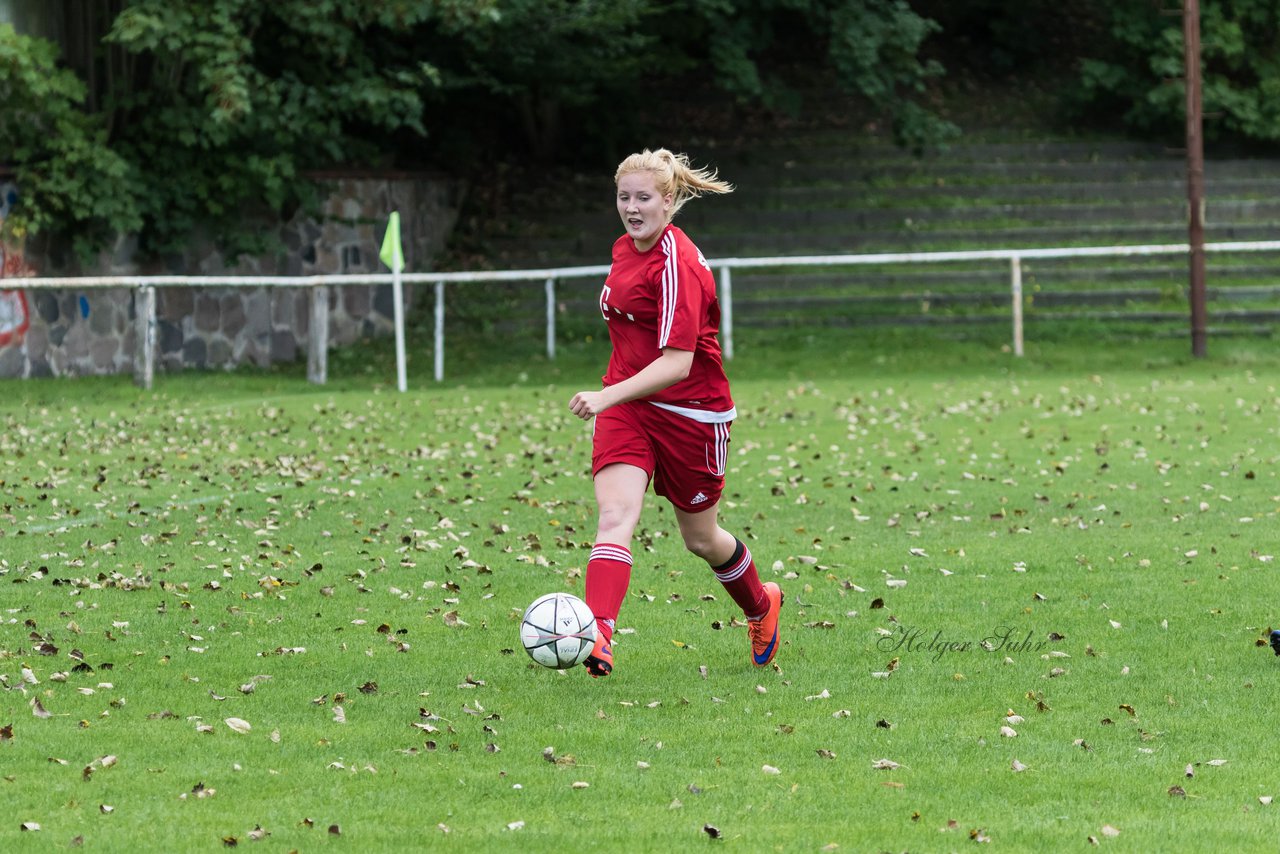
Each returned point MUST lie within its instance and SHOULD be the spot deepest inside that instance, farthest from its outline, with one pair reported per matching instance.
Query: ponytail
(674, 175)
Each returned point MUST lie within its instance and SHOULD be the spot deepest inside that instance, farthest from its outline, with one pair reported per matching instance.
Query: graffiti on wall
(14, 317)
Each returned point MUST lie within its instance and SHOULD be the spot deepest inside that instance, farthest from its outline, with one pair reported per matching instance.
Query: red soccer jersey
(666, 297)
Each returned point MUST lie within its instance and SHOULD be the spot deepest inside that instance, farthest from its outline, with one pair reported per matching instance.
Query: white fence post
(726, 311)
(1015, 270)
(144, 331)
(318, 340)
(551, 318)
(439, 342)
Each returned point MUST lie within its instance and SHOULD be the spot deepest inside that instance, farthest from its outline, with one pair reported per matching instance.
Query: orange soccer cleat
(764, 631)
(600, 662)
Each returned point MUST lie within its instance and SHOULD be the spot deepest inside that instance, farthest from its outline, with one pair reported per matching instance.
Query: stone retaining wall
(70, 333)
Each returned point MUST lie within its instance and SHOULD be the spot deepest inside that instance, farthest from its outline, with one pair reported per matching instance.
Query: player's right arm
(668, 369)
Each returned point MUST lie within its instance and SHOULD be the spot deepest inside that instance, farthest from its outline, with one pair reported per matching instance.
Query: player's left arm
(668, 369)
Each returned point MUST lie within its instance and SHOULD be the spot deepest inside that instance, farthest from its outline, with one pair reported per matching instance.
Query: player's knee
(700, 543)
(617, 519)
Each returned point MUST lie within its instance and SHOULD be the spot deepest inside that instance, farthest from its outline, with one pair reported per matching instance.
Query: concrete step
(941, 193)
(746, 311)
(896, 173)
(811, 213)
(1020, 236)
(824, 220)
(1104, 271)
(1130, 301)
(1257, 322)
(821, 194)
(1236, 201)
(515, 253)
(826, 146)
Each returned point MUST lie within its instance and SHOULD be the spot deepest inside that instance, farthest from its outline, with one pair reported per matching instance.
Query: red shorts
(685, 458)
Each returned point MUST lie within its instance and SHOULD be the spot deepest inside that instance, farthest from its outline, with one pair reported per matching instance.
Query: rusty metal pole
(1195, 177)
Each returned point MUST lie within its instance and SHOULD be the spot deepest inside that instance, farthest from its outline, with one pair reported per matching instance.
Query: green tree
(544, 67)
(59, 151)
(568, 66)
(234, 100)
(210, 112)
(1139, 70)
(872, 46)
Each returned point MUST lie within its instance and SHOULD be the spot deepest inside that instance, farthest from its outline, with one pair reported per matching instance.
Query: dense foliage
(217, 109)
(234, 99)
(79, 182)
(1138, 69)
(225, 104)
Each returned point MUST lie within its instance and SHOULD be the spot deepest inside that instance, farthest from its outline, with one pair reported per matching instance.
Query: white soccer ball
(558, 630)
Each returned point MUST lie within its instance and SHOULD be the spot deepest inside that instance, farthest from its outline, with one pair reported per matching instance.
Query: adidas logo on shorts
(698, 499)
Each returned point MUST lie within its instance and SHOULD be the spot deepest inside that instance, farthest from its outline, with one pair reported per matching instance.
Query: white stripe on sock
(611, 552)
(736, 571)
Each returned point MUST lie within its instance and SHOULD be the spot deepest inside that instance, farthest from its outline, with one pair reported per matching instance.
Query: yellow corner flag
(392, 255)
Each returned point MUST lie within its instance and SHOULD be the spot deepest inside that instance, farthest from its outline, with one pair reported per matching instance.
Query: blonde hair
(673, 174)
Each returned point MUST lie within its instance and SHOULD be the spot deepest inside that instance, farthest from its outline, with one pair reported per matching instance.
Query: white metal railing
(318, 344)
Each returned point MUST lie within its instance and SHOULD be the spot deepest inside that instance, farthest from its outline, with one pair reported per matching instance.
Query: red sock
(740, 579)
(608, 576)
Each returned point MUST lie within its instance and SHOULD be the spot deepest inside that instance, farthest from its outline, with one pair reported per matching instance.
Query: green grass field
(1024, 606)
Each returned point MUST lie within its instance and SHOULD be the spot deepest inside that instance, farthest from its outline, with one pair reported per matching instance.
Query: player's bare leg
(620, 492)
(733, 565)
(703, 535)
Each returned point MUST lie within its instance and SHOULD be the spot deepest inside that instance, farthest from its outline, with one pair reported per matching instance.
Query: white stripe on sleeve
(670, 288)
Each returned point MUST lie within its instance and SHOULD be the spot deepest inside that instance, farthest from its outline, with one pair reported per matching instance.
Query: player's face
(643, 209)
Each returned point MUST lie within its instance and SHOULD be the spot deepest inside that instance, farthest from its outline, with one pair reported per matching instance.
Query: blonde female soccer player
(665, 411)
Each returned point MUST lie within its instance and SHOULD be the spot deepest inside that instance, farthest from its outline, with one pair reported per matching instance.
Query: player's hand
(588, 404)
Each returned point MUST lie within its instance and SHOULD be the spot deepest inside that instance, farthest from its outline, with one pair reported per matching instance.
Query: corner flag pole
(393, 256)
